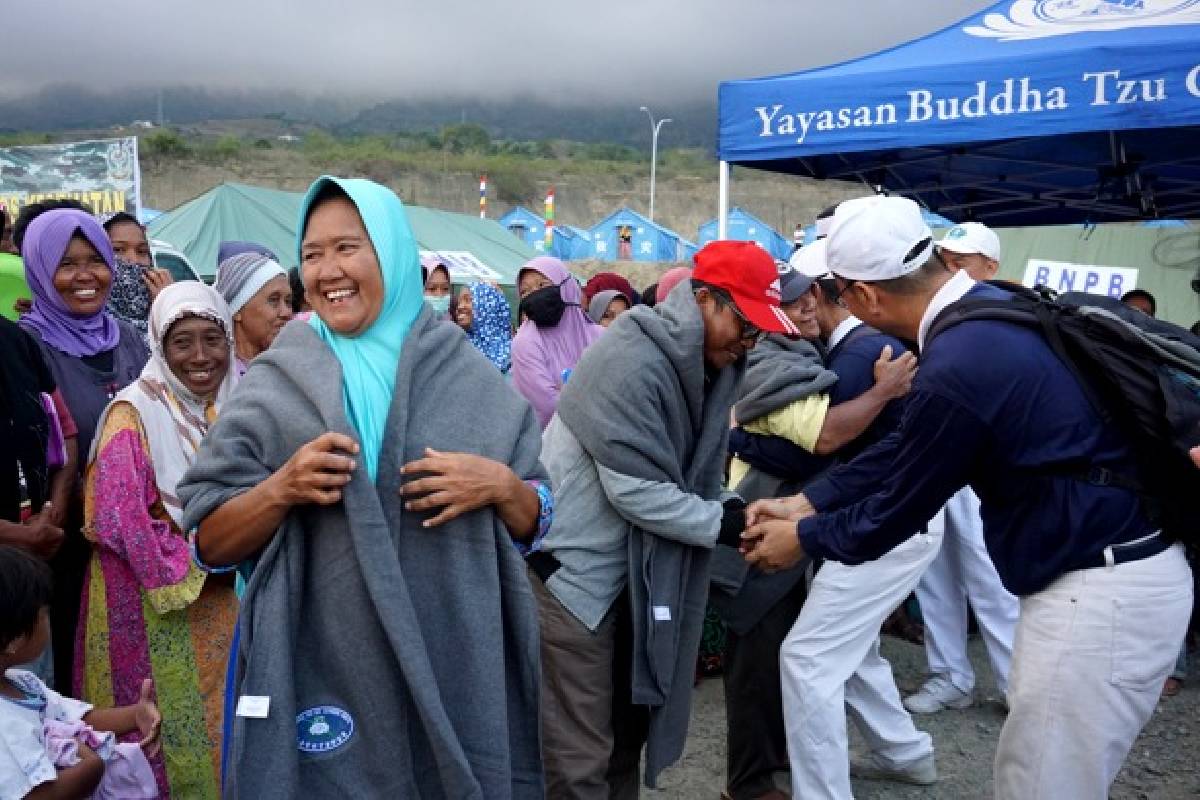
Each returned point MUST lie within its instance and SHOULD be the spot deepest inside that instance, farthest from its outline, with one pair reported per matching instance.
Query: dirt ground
(1164, 764)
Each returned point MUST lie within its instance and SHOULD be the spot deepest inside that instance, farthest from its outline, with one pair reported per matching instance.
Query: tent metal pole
(723, 200)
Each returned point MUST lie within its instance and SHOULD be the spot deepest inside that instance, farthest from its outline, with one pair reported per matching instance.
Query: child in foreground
(53, 747)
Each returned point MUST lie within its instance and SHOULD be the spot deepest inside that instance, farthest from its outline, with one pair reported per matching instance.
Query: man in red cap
(636, 452)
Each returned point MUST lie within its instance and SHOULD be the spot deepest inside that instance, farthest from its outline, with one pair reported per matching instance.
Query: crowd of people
(351, 529)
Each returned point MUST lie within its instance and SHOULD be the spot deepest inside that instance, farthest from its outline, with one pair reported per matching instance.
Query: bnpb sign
(1062, 276)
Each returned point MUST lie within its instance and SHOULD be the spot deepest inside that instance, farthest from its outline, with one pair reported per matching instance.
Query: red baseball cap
(749, 275)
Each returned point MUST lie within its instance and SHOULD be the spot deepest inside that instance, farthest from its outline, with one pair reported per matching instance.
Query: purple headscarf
(45, 243)
(541, 355)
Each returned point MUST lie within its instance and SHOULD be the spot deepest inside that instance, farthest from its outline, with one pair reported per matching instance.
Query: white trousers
(963, 572)
(830, 660)
(1091, 654)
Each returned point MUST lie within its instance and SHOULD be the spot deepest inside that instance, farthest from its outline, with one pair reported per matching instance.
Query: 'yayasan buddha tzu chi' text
(1010, 96)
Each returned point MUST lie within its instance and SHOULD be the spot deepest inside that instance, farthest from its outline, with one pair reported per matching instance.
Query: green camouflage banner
(101, 173)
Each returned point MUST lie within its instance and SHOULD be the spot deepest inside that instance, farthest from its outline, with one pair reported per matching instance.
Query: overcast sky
(627, 50)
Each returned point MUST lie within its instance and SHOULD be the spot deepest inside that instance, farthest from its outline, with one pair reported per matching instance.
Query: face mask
(130, 298)
(440, 305)
(544, 307)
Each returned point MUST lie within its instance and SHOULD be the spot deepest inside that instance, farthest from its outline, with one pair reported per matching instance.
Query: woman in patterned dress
(146, 608)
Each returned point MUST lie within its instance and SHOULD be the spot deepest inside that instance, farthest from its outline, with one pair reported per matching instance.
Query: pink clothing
(155, 552)
(127, 773)
(540, 356)
(670, 279)
(147, 611)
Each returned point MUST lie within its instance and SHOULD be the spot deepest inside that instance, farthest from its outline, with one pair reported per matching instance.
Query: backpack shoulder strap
(1017, 310)
(1029, 310)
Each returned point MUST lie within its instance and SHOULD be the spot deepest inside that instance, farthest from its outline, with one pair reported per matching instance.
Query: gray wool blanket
(399, 661)
(780, 372)
(640, 403)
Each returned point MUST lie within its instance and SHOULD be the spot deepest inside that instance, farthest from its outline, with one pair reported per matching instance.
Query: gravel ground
(1163, 764)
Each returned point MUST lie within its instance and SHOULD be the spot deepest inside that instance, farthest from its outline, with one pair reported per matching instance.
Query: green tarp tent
(475, 249)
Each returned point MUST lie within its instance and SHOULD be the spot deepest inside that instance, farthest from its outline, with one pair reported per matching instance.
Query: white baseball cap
(809, 260)
(878, 238)
(972, 237)
(823, 221)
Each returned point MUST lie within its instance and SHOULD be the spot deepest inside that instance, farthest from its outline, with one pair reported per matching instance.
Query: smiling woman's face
(342, 278)
(197, 352)
(82, 278)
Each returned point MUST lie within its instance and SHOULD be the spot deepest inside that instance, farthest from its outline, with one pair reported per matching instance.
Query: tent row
(626, 235)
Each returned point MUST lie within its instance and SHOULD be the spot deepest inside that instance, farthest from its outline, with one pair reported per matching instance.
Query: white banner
(464, 267)
(1063, 276)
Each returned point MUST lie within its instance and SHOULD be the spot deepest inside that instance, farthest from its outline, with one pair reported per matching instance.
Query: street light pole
(655, 127)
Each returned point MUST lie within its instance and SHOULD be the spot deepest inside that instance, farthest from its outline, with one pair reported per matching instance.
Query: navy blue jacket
(853, 361)
(992, 407)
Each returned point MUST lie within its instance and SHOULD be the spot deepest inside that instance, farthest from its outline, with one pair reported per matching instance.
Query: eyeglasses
(841, 290)
(750, 331)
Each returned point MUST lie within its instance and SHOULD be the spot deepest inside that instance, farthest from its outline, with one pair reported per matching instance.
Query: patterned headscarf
(242, 276)
(130, 297)
(491, 325)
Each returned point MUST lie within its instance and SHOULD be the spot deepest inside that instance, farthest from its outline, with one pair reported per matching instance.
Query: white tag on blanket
(662, 613)
(253, 706)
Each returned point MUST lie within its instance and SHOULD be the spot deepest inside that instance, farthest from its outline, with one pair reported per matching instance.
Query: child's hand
(149, 720)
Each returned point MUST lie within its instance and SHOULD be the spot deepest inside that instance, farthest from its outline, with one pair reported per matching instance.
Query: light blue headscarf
(369, 359)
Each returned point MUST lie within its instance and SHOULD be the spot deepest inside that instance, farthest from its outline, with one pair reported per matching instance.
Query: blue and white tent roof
(1031, 111)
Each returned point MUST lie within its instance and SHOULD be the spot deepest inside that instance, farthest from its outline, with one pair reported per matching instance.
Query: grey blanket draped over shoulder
(779, 372)
(414, 651)
(640, 404)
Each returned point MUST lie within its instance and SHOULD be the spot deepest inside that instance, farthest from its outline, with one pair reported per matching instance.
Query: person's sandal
(1172, 687)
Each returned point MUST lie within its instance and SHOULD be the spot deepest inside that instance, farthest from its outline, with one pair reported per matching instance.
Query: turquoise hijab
(369, 359)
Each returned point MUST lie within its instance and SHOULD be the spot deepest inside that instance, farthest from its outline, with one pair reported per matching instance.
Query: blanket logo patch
(323, 729)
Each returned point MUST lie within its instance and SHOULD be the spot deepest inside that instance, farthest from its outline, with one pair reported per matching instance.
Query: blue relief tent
(626, 235)
(526, 226)
(571, 243)
(746, 227)
(1031, 112)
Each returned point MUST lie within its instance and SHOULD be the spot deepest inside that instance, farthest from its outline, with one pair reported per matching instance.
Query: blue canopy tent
(746, 227)
(626, 235)
(1031, 112)
(526, 226)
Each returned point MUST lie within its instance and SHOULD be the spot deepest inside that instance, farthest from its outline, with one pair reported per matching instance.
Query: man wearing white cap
(963, 571)
(973, 248)
(1105, 600)
(830, 660)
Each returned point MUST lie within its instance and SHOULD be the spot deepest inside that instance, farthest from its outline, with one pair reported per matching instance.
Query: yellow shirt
(799, 422)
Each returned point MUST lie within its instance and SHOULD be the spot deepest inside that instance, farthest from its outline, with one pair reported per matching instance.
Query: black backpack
(1140, 374)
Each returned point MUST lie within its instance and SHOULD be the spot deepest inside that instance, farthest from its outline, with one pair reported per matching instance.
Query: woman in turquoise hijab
(381, 502)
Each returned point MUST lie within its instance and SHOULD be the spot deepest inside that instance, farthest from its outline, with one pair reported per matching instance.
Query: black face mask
(544, 307)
